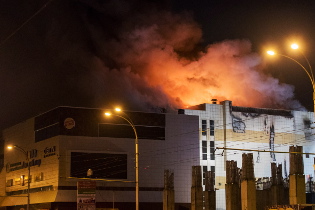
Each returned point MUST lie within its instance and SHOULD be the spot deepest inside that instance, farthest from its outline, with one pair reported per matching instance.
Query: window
(204, 127)
(211, 153)
(17, 181)
(46, 133)
(211, 127)
(204, 150)
(103, 165)
(204, 146)
(211, 143)
(124, 131)
(213, 168)
(28, 179)
(212, 150)
(39, 177)
(204, 156)
(9, 183)
(22, 182)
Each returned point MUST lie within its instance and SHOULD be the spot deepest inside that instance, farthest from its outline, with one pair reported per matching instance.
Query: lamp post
(136, 150)
(29, 172)
(308, 71)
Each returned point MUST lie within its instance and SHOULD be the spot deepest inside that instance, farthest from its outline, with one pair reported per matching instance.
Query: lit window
(22, 182)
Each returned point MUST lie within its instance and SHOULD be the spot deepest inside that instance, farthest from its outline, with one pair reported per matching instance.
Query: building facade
(64, 143)
(227, 131)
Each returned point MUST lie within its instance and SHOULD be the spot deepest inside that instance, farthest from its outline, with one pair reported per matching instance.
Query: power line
(25, 22)
(253, 150)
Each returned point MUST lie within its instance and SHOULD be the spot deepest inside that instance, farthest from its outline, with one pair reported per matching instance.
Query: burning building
(68, 145)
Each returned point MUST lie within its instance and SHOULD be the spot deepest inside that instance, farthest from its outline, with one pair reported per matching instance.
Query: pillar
(296, 178)
(232, 186)
(209, 193)
(168, 192)
(248, 187)
(196, 189)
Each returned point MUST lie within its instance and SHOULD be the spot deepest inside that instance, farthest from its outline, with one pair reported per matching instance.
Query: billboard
(86, 191)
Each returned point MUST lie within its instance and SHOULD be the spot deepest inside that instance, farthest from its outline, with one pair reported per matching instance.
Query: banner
(86, 191)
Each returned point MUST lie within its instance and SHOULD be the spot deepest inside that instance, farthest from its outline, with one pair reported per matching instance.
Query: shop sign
(49, 151)
(21, 165)
(86, 191)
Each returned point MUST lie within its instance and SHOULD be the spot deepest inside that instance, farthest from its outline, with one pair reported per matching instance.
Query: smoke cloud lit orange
(155, 59)
(151, 71)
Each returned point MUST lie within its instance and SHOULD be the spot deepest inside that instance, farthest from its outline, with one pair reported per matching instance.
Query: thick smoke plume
(154, 58)
(152, 61)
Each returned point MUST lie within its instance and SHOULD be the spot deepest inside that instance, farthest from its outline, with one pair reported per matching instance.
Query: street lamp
(308, 71)
(136, 150)
(29, 171)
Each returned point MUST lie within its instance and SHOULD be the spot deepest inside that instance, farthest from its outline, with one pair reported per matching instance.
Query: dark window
(211, 127)
(9, 183)
(212, 150)
(211, 143)
(204, 150)
(103, 165)
(92, 122)
(204, 127)
(46, 133)
(213, 168)
(126, 131)
(204, 156)
(204, 143)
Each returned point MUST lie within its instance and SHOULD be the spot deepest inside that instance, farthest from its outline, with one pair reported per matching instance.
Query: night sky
(94, 53)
